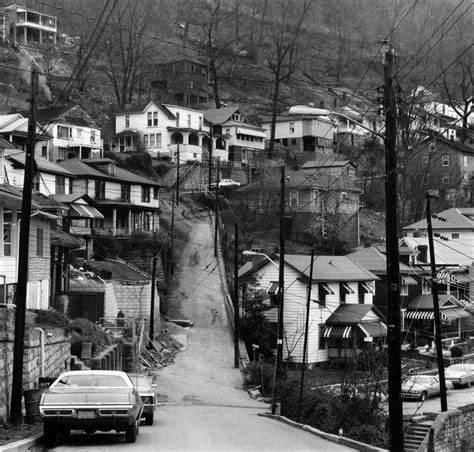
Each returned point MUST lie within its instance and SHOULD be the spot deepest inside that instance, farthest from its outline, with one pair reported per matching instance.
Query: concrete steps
(415, 435)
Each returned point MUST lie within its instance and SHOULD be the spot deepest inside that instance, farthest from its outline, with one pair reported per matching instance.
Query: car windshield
(419, 380)
(115, 381)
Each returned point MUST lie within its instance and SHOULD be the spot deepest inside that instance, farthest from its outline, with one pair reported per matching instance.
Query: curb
(328, 436)
(22, 445)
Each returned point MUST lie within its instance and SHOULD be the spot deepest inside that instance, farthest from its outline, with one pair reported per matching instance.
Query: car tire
(149, 419)
(423, 396)
(50, 435)
(131, 432)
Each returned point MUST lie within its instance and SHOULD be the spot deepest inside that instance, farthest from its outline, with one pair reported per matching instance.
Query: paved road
(203, 406)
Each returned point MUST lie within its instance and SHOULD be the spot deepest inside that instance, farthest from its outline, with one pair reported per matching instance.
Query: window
(425, 160)
(191, 85)
(44, 151)
(273, 291)
(293, 142)
(344, 290)
(147, 221)
(403, 289)
(145, 141)
(152, 140)
(425, 285)
(193, 69)
(71, 185)
(292, 127)
(64, 132)
(455, 235)
(445, 160)
(156, 192)
(39, 242)
(36, 183)
(127, 121)
(99, 189)
(175, 69)
(445, 180)
(177, 119)
(293, 197)
(145, 194)
(158, 140)
(92, 136)
(285, 141)
(155, 118)
(60, 185)
(7, 232)
(322, 339)
(125, 191)
(149, 119)
(203, 72)
(200, 122)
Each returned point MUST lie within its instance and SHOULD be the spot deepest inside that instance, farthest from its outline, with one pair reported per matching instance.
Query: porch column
(114, 221)
(129, 222)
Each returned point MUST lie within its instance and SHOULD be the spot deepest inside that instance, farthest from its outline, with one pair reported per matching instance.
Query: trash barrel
(32, 398)
(45, 382)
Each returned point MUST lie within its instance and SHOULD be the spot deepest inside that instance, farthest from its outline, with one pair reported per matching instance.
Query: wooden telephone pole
(16, 416)
(395, 407)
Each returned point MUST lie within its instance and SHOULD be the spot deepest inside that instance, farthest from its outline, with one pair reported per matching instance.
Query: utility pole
(177, 175)
(236, 296)
(152, 305)
(172, 236)
(16, 416)
(395, 407)
(437, 317)
(216, 223)
(211, 144)
(305, 344)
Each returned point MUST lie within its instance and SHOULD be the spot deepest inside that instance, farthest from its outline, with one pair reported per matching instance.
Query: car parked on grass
(225, 183)
(90, 400)
(146, 390)
(420, 387)
(460, 374)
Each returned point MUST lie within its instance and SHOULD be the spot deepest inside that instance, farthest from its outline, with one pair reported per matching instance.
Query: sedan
(226, 183)
(90, 400)
(420, 387)
(146, 390)
(460, 374)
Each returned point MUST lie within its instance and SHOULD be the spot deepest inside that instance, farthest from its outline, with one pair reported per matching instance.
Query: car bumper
(411, 395)
(147, 409)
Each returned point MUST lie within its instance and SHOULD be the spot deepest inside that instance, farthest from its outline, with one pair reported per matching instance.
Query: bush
(260, 374)
(456, 351)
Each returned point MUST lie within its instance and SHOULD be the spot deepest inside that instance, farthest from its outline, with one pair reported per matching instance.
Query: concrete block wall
(57, 354)
(134, 299)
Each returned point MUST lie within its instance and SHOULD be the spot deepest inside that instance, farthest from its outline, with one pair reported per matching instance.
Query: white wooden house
(338, 285)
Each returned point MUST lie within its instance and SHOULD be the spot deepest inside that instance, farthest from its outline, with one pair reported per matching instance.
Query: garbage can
(32, 398)
(45, 382)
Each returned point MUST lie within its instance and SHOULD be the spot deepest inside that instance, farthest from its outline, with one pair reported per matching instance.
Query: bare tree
(282, 44)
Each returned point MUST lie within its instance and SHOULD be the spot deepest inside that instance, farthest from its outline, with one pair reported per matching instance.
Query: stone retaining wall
(56, 357)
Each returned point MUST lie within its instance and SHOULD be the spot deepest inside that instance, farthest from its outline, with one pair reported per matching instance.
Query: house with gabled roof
(74, 133)
(246, 141)
(127, 201)
(342, 317)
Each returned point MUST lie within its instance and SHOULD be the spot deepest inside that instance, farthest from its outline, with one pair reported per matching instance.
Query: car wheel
(423, 396)
(50, 435)
(131, 432)
(149, 419)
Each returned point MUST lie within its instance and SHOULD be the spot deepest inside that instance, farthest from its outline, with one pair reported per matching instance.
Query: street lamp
(279, 356)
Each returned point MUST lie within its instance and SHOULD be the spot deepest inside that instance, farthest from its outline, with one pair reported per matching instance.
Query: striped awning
(84, 211)
(443, 276)
(419, 314)
(338, 331)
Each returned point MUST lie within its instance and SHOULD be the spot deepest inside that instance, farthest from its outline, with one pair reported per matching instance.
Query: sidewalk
(24, 444)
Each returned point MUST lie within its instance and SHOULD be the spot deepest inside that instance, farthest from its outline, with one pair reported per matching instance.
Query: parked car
(226, 183)
(90, 400)
(460, 374)
(146, 390)
(420, 387)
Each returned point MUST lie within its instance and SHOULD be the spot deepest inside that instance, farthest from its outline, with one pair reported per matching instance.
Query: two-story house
(246, 141)
(303, 129)
(128, 202)
(183, 81)
(321, 204)
(74, 133)
(162, 130)
(23, 25)
(14, 128)
(342, 317)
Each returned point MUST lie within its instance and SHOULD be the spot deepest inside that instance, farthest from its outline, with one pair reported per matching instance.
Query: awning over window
(254, 133)
(445, 276)
(419, 314)
(408, 280)
(338, 331)
(461, 278)
(373, 329)
(84, 211)
(273, 288)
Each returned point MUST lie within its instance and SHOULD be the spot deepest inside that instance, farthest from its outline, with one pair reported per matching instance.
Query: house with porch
(128, 202)
(74, 133)
(342, 317)
(246, 141)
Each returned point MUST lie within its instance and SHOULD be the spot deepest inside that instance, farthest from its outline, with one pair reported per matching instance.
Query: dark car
(146, 390)
(90, 400)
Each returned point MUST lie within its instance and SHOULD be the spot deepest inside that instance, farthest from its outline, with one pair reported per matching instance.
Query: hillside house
(246, 141)
(342, 318)
(128, 202)
(25, 26)
(74, 133)
(184, 82)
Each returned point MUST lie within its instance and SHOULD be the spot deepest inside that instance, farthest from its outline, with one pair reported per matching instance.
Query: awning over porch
(84, 211)
(446, 314)
(373, 329)
(368, 329)
(338, 332)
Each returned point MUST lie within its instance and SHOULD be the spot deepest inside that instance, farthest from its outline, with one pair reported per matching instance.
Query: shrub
(456, 351)
(260, 374)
